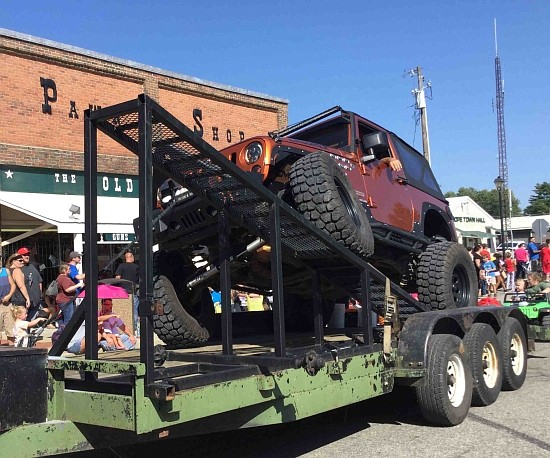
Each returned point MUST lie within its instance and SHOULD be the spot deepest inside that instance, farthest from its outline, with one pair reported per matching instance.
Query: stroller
(35, 334)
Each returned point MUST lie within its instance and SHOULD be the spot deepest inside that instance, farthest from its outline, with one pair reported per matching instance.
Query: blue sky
(318, 54)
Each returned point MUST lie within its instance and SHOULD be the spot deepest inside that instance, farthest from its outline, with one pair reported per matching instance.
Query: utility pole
(420, 105)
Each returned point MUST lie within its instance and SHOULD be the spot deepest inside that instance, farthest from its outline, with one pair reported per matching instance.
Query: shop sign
(49, 98)
(118, 237)
(15, 178)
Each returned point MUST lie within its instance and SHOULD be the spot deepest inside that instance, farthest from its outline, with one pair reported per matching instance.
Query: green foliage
(539, 202)
(488, 200)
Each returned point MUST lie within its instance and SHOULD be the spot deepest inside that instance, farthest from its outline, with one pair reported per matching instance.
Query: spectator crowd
(521, 269)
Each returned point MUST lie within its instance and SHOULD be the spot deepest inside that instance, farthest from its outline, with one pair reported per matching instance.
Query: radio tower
(502, 160)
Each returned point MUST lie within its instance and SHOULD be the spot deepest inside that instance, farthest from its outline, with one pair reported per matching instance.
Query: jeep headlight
(253, 152)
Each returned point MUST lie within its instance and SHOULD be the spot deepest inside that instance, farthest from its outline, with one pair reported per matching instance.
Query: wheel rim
(348, 204)
(517, 357)
(456, 380)
(490, 364)
(460, 286)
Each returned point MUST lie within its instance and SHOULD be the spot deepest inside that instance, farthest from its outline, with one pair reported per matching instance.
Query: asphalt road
(517, 425)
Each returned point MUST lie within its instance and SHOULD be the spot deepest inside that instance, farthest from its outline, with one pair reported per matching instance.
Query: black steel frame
(283, 222)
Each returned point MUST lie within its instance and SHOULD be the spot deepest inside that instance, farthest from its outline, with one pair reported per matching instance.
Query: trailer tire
(322, 193)
(180, 326)
(445, 398)
(513, 345)
(486, 362)
(446, 277)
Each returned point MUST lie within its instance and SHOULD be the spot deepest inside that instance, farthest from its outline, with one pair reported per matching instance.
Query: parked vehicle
(510, 246)
(448, 359)
(536, 308)
(335, 169)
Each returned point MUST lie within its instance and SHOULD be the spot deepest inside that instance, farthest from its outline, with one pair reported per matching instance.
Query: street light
(499, 184)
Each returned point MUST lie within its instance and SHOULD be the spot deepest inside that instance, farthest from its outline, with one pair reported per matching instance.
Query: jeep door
(387, 193)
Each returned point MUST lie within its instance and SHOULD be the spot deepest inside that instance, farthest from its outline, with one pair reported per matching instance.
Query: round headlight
(253, 152)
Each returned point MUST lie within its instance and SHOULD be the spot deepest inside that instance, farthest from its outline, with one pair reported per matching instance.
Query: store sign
(49, 98)
(469, 219)
(15, 178)
(118, 237)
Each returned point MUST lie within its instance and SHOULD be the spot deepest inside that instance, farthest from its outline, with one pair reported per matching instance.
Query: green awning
(478, 234)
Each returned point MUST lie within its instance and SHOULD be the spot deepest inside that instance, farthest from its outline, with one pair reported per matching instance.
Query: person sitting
(115, 327)
(21, 325)
(536, 285)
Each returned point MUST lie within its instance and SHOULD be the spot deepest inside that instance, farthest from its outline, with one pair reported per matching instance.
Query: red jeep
(353, 179)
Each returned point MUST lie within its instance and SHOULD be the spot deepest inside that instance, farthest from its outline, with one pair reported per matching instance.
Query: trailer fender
(413, 339)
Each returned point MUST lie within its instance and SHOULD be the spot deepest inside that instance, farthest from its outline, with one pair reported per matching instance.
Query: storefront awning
(114, 214)
(477, 234)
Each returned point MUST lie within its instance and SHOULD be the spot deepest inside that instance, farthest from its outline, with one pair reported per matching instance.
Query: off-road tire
(486, 362)
(513, 345)
(445, 398)
(446, 277)
(322, 193)
(180, 326)
(545, 321)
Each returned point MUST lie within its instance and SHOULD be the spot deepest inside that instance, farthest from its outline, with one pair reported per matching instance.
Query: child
(22, 325)
(490, 275)
(510, 270)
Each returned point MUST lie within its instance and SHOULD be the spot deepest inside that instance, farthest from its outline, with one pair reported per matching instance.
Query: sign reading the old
(50, 181)
(50, 97)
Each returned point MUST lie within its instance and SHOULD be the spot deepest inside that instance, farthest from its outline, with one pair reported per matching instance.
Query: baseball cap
(23, 251)
(74, 254)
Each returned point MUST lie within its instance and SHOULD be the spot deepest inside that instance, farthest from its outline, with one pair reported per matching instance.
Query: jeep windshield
(333, 133)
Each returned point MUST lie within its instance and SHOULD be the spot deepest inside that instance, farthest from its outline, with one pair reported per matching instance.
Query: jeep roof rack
(276, 134)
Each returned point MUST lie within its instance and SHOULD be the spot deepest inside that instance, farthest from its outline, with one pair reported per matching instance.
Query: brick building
(44, 89)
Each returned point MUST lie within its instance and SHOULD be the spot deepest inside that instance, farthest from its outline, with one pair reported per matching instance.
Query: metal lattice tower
(502, 159)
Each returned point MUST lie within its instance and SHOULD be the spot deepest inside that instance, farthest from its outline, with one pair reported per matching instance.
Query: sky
(356, 54)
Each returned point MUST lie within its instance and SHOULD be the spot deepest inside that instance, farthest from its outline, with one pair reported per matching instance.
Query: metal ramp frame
(163, 143)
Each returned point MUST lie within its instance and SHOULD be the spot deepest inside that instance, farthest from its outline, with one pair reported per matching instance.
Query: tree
(539, 202)
(487, 199)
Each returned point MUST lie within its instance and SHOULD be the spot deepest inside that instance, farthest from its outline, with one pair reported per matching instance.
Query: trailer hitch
(312, 363)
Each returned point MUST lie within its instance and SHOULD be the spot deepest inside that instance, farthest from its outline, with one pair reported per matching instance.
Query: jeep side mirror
(375, 145)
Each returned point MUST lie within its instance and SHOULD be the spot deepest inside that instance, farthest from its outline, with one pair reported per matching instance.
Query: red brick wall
(30, 137)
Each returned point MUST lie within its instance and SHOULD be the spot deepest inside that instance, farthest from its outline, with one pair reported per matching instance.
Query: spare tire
(188, 318)
(323, 194)
(446, 277)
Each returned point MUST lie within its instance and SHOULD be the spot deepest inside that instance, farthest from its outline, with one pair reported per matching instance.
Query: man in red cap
(33, 282)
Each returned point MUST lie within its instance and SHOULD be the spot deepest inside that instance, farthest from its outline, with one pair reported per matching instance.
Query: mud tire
(180, 326)
(322, 193)
(446, 277)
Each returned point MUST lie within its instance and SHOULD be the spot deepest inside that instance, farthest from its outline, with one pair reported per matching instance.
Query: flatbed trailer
(448, 357)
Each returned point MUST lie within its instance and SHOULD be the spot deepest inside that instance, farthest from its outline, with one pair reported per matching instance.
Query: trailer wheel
(445, 398)
(513, 345)
(446, 277)
(486, 363)
(323, 194)
(188, 318)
